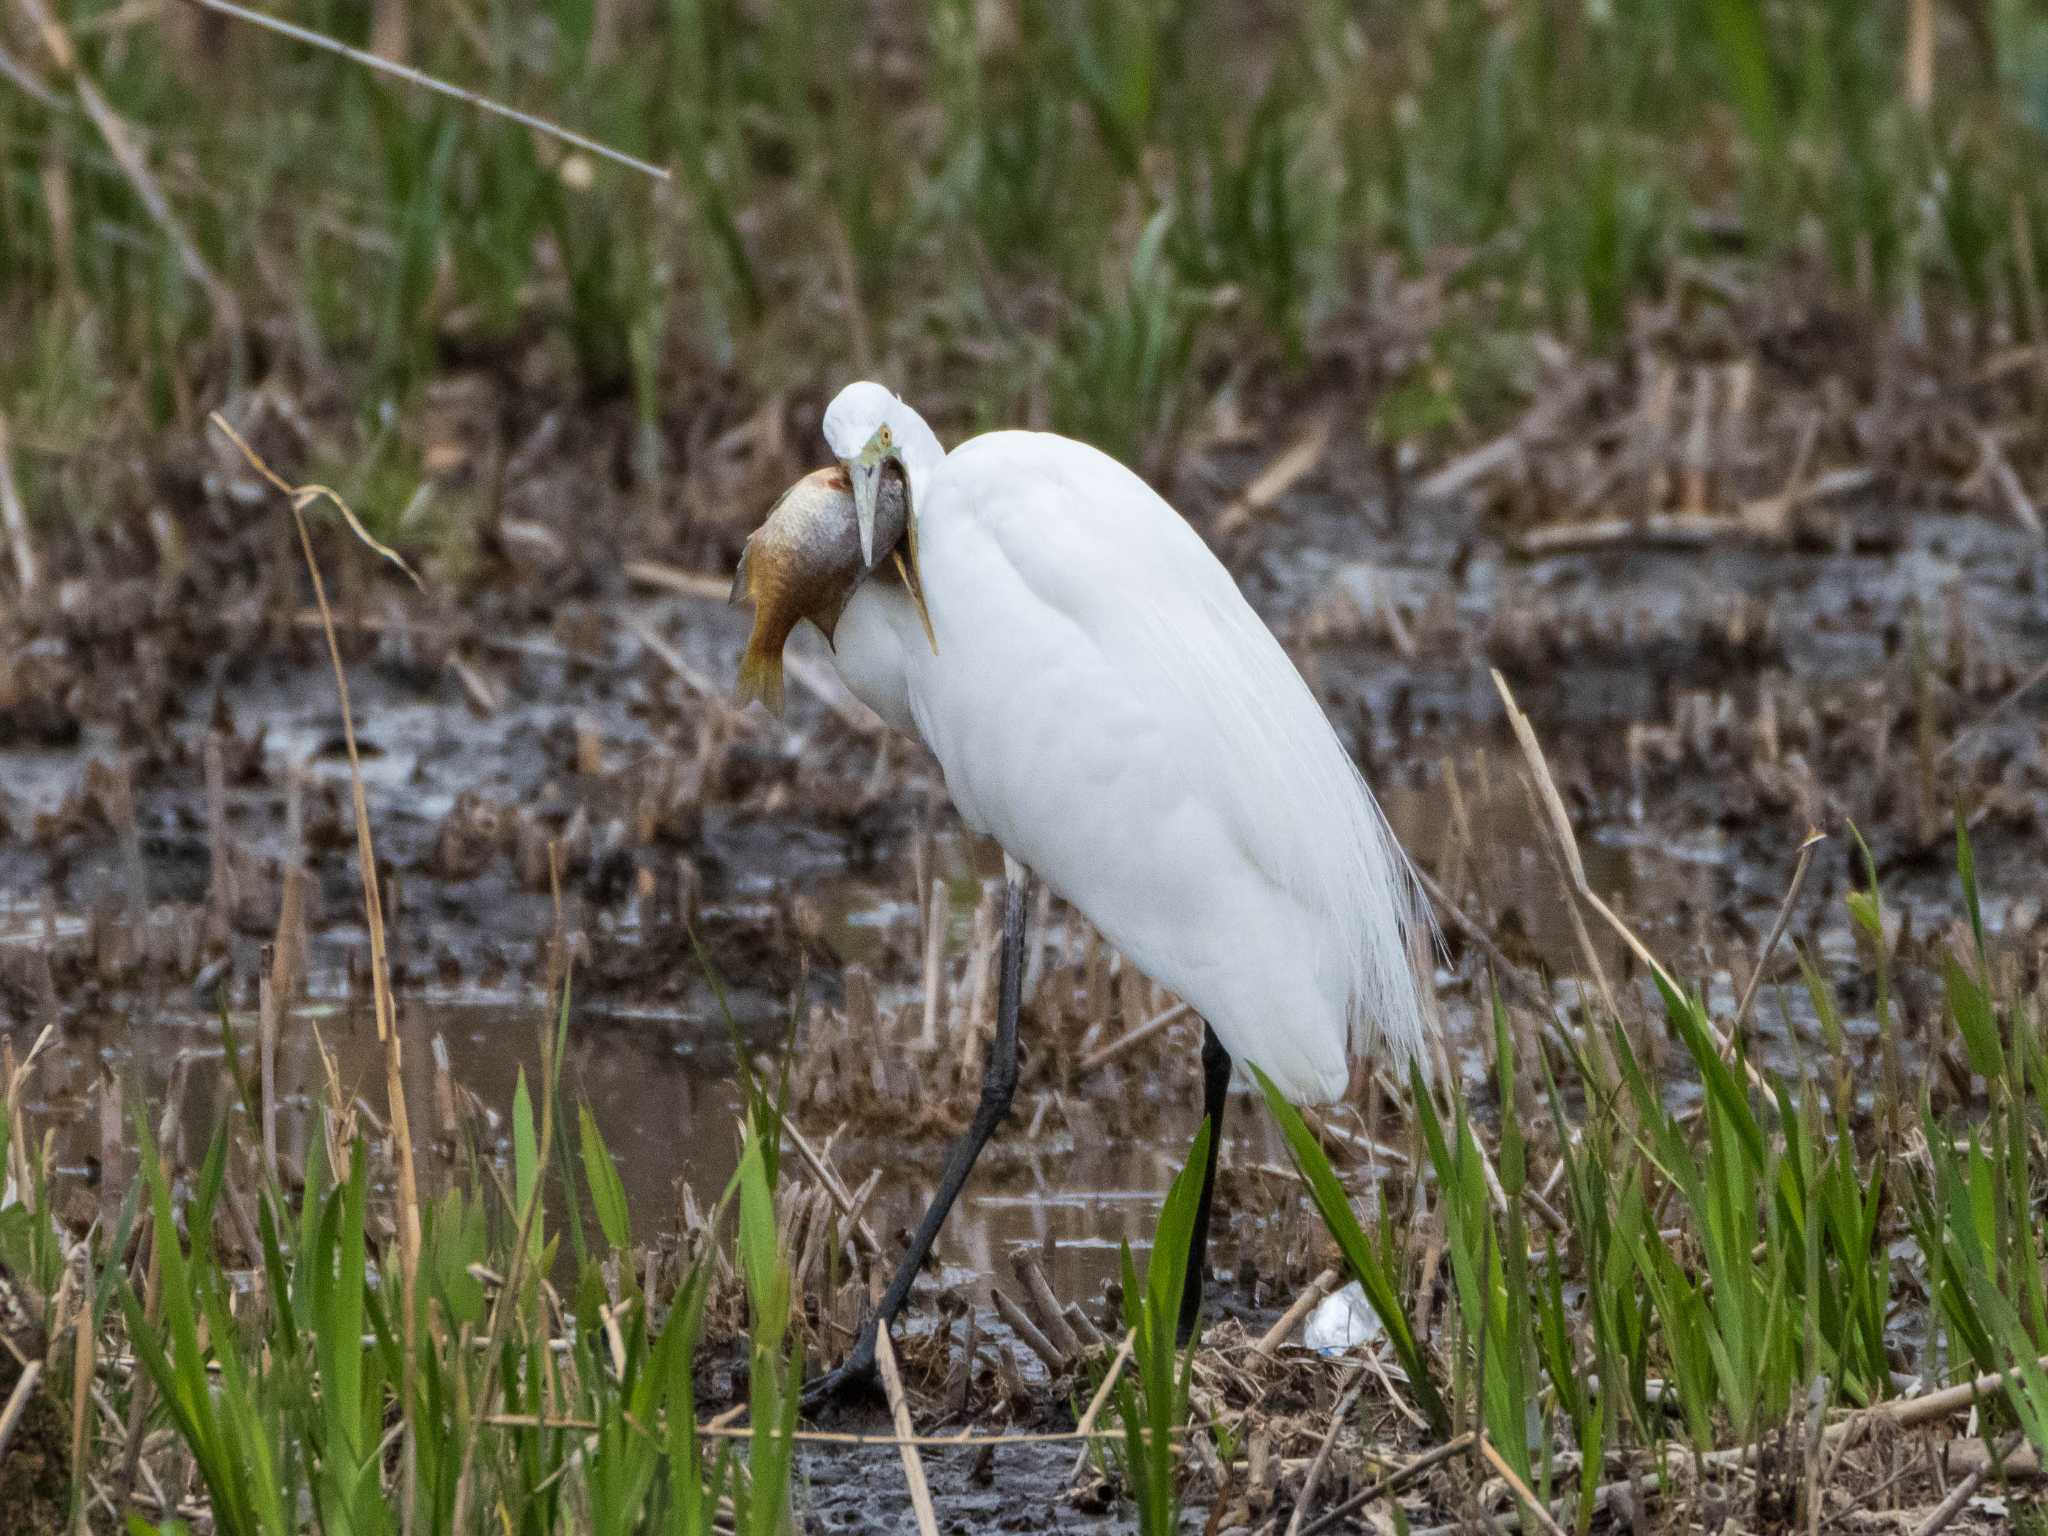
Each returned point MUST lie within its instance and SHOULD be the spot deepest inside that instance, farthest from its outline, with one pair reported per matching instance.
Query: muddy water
(666, 1096)
(1646, 673)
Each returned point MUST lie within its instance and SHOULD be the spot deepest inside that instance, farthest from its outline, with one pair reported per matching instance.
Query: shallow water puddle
(668, 1110)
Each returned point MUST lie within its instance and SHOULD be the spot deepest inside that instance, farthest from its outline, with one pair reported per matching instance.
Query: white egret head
(868, 428)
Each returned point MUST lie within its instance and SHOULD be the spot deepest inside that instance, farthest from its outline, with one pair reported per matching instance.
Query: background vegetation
(1122, 220)
(1074, 212)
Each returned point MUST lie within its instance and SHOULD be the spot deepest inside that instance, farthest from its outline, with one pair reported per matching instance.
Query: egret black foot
(855, 1377)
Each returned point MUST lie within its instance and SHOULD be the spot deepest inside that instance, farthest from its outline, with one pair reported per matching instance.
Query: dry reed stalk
(115, 133)
(1570, 871)
(287, 960)
(1007, 1373)
(451, 635)
(1912, 1412)
(299, 498)
(856, 1212)
(922, 855)
(266, 1069)
(1653, 445)
(1520, 1489)
(1994, 472)
(1481, 463)
(1324, 1285)
(864, 1026)
(2019, 1462)
(1045, 1306)
(1098, 977)
(220, 886)
(672, 578)
(1145, 1031)
(1518, 980)
(1544, 788)
(295, 814)
(120, 809)
(113, 1136)
(790, 1217)
(1092, 1338)
(674, 662)
(899, 1411)
(1019, 1322)
(981, 963)
(83, 1352)
(1659, 530)
(1086, 1424)
(1297, 460)
(1944, 1513)
(1814, 838)
(1400, 1477)
(937, 912)
(17, 1073)
(18, 1400)
(1039, 940)
(1314, 1475)
(834, 1188)
(15, 519)
(18, 75)
(483, 695)
(2026, 685)
(444, 1093)
(1919, 62)
(1458, 839)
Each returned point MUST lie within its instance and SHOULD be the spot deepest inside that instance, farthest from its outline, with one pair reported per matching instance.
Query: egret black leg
(998, 1087)
(1215, 1094)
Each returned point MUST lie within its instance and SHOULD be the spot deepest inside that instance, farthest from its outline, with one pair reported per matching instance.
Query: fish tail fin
(761, 678)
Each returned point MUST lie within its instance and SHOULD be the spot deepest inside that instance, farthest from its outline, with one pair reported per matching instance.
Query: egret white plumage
(1106, 705)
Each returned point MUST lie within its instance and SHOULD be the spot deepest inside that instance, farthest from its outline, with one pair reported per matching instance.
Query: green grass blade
(1372, 1276)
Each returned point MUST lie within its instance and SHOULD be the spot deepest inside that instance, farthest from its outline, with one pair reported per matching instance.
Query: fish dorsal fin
(739, 575)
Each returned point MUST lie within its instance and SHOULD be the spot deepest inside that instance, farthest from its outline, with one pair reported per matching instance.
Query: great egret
(1107, 706)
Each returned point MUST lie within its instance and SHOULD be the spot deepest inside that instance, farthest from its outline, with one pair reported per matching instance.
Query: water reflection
(666, 1097)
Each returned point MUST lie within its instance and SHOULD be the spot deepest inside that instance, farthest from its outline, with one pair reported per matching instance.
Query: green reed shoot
(1489, 1262)
(1154, 1407)
(775, 1352)
(1374, 1266)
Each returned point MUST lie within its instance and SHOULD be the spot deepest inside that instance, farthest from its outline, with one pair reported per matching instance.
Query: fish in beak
(805, 561)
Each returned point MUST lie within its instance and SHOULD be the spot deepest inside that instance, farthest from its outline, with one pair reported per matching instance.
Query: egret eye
(884, 435)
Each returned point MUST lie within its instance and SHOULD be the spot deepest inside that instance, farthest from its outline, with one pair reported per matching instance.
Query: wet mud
(558, 785)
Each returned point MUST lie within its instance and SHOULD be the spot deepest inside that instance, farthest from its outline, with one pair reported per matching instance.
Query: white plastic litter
(1341, 1322)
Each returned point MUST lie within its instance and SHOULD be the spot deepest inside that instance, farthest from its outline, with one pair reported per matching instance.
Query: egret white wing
(1106, 704)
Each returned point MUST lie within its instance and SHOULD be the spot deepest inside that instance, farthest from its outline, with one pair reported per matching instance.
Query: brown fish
(804, 563)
